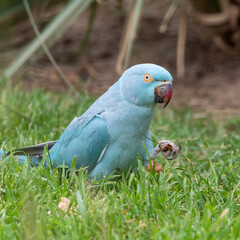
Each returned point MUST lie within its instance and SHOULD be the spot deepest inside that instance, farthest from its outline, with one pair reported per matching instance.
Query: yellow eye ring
(147, 77)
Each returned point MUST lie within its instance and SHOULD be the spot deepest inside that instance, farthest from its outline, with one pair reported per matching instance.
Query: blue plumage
(111, 133)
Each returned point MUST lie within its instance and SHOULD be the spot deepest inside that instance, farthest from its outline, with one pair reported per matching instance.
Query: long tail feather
(35, 150)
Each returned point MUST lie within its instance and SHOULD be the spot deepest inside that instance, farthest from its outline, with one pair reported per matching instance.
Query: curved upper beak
(163, 93)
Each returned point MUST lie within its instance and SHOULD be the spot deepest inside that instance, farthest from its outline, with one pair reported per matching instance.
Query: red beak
(163, 93)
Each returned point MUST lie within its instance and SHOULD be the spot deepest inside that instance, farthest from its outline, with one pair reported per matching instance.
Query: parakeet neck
(130, 118)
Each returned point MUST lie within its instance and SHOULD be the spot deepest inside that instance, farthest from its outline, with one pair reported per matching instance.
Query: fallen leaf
(64, 204)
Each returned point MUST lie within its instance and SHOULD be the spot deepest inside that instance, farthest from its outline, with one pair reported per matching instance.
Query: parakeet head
(146, 84)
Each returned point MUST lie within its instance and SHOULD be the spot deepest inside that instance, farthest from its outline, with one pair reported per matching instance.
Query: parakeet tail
(35, 160)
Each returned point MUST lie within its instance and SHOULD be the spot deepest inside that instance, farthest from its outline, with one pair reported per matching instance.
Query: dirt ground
(212, 79)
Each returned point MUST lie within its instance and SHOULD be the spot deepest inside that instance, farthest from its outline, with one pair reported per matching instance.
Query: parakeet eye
(147, 77)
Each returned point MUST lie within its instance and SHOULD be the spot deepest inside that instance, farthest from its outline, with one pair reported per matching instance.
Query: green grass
(196, 197)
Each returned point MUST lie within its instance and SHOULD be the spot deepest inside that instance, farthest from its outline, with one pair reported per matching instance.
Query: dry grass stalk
(182, 32)
(129, 36)
(168, 16)
(49, 35)
(46, 50)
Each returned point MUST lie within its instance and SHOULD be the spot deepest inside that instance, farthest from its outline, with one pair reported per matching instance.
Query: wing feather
(87, 141)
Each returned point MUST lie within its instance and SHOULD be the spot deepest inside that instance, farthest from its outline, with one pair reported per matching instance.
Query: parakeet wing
(85, 138)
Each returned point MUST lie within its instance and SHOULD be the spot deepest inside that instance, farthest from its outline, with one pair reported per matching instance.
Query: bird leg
(168, 149)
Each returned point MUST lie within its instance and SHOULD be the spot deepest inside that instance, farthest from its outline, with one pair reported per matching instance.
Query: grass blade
(129, 35)
(46, 50)
(80, 203)
(49, 35)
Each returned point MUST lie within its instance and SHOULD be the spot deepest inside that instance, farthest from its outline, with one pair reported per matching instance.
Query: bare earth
(212, 79)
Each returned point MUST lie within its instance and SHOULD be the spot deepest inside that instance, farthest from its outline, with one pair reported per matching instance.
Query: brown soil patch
(212, 77)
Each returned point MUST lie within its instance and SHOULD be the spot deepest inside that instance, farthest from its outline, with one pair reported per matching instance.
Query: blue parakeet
(112, 133)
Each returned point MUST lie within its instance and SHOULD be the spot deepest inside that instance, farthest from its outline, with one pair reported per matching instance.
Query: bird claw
(169, 149)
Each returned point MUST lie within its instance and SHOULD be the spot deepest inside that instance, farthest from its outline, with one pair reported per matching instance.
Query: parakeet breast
(128, 132)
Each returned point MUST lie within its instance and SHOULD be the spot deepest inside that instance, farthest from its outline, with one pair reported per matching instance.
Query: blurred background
(86, 44)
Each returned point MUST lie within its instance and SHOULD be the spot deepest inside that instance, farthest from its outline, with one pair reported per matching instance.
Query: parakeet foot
(168, 149)
(155, 166)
